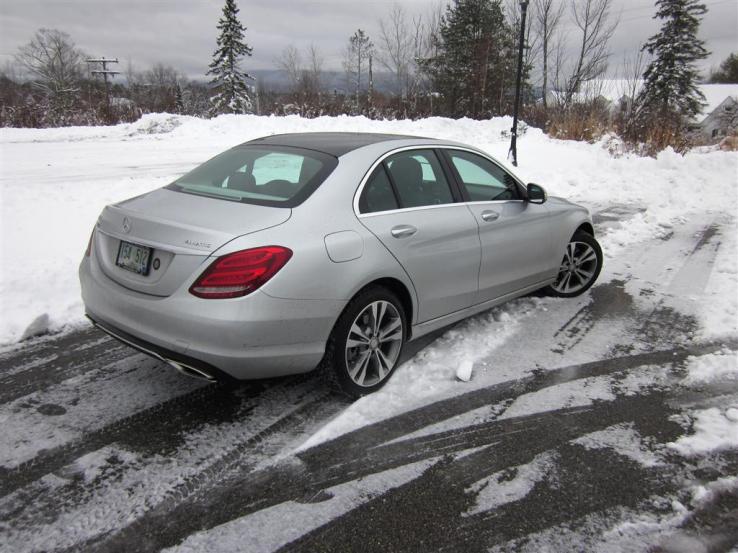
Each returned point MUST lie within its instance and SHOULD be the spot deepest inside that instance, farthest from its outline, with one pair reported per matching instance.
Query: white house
(720, 117)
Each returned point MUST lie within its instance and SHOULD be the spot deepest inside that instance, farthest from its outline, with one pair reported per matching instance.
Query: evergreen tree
(474, 68)
(233, 92)
(728, 72)
(178, 100)
(670, 94)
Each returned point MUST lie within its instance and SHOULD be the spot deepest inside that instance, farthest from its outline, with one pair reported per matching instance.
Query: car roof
(332, 143)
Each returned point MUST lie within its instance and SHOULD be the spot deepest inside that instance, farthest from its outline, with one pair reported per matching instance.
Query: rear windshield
(279, 176)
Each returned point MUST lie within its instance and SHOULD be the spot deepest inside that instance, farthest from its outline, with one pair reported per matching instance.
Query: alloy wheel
(374, 343)
(578, 268)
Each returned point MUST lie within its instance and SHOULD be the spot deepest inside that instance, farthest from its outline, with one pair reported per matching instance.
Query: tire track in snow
(362, 452)
(662, 325)
(583, 481)
(173, 419)
(51, 361)
(236, 450)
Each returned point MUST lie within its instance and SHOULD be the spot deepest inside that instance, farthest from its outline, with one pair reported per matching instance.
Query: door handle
(401, 231)
(490, 215)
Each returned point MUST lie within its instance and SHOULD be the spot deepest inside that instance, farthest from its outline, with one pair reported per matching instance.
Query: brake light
(240, 273)
(89, 244)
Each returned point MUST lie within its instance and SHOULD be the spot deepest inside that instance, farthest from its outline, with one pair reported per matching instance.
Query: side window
(377, 194)
(419, 179)
(483, 180)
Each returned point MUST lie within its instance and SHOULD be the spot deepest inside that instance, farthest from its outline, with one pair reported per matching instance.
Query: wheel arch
(586, 227)
(398, 288)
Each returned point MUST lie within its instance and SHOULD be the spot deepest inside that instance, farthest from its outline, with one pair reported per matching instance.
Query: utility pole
(514, 131)
(105, 72)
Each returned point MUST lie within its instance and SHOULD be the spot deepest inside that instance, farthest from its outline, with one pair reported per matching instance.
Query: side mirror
(536, 194)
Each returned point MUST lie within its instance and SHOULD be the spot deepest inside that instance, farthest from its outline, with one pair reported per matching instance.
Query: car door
(409, 205)
(514, 234)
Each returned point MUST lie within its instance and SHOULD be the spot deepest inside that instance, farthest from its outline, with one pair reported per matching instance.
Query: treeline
(457, 60)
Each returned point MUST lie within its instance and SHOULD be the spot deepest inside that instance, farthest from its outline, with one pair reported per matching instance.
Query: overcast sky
(182, 33)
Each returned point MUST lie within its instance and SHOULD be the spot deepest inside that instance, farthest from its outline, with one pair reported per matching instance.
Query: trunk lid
(182, 230)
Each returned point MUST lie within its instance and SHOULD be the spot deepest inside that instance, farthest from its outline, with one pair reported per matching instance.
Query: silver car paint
(441, 257)
(283, 327)
(515, 246)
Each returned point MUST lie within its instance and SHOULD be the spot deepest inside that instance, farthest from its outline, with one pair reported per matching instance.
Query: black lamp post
(516, 107)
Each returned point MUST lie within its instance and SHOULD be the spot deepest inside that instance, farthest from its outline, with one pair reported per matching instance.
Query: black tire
(558, 288)
(334, 368)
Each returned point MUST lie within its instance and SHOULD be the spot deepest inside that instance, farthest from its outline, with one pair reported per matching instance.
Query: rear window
(278, 176)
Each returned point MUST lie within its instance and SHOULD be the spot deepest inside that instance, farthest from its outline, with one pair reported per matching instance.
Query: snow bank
(55, 182)
(714, 429)
(721, 366)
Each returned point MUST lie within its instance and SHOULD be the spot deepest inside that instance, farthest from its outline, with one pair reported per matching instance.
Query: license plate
(134, 258)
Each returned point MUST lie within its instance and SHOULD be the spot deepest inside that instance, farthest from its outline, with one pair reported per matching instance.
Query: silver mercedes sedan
(327, 250)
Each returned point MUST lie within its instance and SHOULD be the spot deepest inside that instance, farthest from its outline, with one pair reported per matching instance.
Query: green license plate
(134, 258)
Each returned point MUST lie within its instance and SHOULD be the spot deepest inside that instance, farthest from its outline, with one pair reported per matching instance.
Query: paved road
(104, 449)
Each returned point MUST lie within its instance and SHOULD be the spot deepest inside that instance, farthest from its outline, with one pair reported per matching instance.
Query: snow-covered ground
(77, 445)
(54, 183)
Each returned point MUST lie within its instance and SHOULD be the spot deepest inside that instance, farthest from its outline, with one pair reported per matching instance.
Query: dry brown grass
(729, 143)
(581, 122)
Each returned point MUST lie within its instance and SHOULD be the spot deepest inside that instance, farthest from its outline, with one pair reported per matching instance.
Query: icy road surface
(604, 423)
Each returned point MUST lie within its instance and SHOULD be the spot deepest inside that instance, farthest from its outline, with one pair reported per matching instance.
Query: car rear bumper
(257, 336)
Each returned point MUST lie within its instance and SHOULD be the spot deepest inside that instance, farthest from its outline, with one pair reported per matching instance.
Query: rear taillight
(89, 244)
(240, 273)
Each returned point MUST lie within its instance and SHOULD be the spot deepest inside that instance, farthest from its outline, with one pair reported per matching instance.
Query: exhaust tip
(191, 371)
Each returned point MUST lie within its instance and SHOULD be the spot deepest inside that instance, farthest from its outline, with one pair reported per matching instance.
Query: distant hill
(276, 79)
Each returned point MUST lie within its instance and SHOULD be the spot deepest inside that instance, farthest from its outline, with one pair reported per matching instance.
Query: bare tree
(425, 46)
(305, 77)
(593, 19)
(547, 17)
(290, 62)
(631, 80)
(160, 84)
(315, 69)
(54, 63)
(396, 47)
(358, 50)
